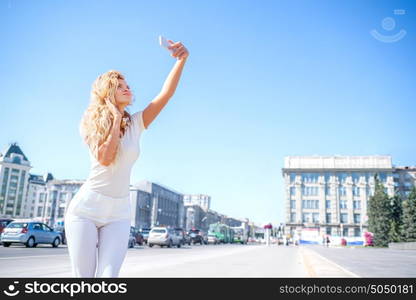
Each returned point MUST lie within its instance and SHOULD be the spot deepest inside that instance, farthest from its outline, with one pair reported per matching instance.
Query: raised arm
(169, 87)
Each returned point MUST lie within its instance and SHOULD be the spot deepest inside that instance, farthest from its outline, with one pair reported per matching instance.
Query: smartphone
(164, 43)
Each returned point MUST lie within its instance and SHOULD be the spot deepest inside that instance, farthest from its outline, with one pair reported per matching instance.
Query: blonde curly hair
(97, 120)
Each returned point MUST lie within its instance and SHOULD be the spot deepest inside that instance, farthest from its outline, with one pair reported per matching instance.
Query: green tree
(409, 217)
(396, 222)
(379, 215)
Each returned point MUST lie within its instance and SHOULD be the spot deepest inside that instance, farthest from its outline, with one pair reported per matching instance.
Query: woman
(99, 214)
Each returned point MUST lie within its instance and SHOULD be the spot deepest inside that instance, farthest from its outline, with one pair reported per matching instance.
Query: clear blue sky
(264, 79)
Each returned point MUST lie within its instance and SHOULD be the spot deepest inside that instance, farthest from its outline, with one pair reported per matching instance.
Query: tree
(396, 222)
(379, 215)
(409, 217)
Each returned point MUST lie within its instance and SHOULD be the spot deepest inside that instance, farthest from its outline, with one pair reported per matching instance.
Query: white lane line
(335, 264)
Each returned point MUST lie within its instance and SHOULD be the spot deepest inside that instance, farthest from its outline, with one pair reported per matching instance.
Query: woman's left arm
(169, 87)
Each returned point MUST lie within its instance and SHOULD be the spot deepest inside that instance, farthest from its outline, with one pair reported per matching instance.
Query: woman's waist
(106, 190)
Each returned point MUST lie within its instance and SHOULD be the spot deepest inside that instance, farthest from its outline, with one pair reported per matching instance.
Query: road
(189, 261)
(371, 262)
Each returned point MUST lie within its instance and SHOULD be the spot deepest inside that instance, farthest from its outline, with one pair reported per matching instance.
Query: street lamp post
(203, 222)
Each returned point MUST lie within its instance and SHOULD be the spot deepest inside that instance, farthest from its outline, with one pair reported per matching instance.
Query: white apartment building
(332, 192)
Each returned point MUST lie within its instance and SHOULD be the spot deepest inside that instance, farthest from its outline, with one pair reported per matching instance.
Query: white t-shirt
(114, 180)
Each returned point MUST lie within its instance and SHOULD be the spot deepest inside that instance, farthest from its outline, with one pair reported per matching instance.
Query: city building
(204, 201)
(46, 199)
(166, 204)
(141, 206)
(59, 194)
(36, 195)
(14, 174)
(331, 193)
(404, 180)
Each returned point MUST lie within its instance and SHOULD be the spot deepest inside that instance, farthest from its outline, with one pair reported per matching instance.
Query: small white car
(163, 236)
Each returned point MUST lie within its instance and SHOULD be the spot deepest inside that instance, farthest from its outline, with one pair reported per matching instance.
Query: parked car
(3, 224)
(132, 240)
(61, 230)
(213, 239)
(196, 236)
(30, 234)
(145, 233)
(137, 235)
(163, 236)
(184, 237)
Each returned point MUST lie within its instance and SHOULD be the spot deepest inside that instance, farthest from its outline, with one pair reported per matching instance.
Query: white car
(163, 236)
(212, 239)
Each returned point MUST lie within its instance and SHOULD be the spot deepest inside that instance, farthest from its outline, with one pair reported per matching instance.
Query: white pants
(96, 249)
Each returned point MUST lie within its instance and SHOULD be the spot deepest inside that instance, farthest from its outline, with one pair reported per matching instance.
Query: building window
(327, 177)
(342, 177)
(370, 191)
(39, 211)
(328, 191)
(292, 177)
(311, 204)
(357, 232)
(310, 177)
(382, 177)
(310, 191)
(342, 191)
(306, 217)
(292, 204)
(343, 204)
(345, 232)
(328, 218)
(292, 191)
(357, 218)
(356, 191)
(328, 230)
(344, 218)
(356, 204)
(315, 217)
(327, 203)
(293, 217)
(356, 177)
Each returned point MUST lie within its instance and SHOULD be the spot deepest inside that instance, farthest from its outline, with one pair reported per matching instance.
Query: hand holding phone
(164, 43)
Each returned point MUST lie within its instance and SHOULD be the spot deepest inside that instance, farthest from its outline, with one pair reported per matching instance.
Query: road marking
(335, 264)
(307, 264)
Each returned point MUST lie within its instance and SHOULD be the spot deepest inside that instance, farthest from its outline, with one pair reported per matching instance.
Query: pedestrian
(97, 220)
(327, 241)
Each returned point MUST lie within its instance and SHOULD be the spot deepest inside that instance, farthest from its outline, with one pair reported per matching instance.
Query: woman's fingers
(180, 53)
(175, 45)
(178, 49)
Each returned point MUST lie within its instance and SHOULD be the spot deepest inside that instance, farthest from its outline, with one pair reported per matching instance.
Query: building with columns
(332, 192)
